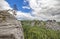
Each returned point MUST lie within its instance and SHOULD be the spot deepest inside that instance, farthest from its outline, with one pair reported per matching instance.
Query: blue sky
(34, 9)
(20, 4)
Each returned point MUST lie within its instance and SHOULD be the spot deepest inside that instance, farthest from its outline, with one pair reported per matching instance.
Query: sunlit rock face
(9, 25)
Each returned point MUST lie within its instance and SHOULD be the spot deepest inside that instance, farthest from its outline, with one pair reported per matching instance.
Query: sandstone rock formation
(10, 27)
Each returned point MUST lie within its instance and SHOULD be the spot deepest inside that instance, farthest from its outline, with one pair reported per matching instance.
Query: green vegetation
(38, 32)
(34, 23)
(58, 23)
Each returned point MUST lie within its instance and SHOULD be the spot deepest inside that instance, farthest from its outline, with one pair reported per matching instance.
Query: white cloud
(21, 15)
(4, 5)
(45, 8)
(26, 7)
(27, 16)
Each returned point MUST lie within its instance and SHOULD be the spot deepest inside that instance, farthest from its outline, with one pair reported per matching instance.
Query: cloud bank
(50, 9)
(42, 9)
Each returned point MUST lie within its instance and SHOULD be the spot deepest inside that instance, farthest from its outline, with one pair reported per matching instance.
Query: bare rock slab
(10, 27)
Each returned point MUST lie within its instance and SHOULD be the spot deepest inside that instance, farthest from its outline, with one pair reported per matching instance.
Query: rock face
(10, 27)
(52, 24)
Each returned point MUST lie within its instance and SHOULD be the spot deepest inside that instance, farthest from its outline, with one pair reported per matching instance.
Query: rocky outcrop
(52, 24)
(10, 26)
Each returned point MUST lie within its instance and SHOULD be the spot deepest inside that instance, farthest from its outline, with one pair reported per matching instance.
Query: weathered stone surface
(9, 25)
(52, 25)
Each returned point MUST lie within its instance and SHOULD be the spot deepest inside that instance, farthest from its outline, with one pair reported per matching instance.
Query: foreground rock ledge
(10, 27)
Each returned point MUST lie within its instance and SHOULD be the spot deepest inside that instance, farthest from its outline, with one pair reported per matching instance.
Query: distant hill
(49, 24)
